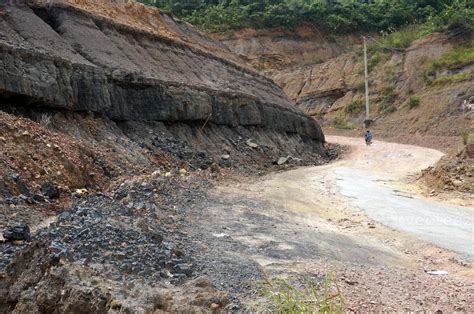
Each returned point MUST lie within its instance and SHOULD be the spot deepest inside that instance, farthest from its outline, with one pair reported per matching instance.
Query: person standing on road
(368, 137)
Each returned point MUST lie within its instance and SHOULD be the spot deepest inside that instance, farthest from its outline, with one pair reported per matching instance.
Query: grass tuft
(414, 101)
(309, 297)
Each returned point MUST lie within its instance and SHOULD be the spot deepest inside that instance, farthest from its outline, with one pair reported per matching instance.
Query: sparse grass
(317, 61)
(405, 36)
(389, 109)
(414, 101)
(390, 76)
(340, 122)
(310, 297)
(360, 87)
(454, 78)
(376, 58)
(391, 71)
(459, 57)
(465, 134)
(355, 107)
(389, 95)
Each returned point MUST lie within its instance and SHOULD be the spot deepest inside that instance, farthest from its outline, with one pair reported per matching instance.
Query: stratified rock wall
(64, 57)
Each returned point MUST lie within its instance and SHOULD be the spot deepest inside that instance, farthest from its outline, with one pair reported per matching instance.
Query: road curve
(371, 176)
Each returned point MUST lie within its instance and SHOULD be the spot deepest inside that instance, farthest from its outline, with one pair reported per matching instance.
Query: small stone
(251, 144)
(183, 269)
(80, 193)
(18, 232)
(282, 160)
(457, 183)
(225, 157)
(57, 249)
(165, 274)
(183, 171)
(215, 306)
(115, 305)
(350, 282)
(38, 198)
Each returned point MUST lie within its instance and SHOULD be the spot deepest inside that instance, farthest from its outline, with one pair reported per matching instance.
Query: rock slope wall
(65, 57)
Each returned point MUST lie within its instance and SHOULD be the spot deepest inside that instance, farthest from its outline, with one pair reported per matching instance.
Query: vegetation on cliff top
(333, 16)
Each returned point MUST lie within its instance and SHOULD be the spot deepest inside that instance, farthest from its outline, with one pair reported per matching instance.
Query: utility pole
(367, 107)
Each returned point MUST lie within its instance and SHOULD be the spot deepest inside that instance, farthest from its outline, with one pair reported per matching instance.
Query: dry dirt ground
(310, 221)
(174, 242)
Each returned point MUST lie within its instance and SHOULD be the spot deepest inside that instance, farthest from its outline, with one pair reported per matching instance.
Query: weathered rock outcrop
(316, 88)
(61, 56)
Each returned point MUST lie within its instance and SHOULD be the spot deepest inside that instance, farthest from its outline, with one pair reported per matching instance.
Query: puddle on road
(448, 226)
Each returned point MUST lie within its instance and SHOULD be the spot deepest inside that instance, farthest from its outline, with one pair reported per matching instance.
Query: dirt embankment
(276, 49)
(418, 90)
(122, 84)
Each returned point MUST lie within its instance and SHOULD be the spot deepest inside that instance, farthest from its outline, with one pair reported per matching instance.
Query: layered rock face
(61, 56)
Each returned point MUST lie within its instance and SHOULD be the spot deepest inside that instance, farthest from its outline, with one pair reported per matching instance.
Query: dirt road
(360, 215)
(376, 180)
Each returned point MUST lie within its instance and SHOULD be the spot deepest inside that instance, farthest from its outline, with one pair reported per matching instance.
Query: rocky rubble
(136, 234)
(18, 232)
(452, 173)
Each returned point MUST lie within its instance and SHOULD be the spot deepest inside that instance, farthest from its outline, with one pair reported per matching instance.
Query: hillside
(148, 166)
(119, 117)
(422, 94)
